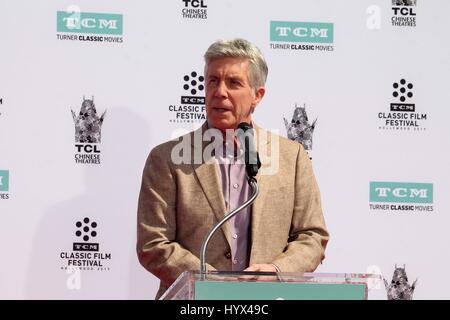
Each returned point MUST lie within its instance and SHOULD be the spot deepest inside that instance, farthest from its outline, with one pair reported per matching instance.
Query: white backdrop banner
(361, 85)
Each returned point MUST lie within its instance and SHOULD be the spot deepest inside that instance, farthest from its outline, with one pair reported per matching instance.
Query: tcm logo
(88, 22)
(403, 92)
(86, 229)
(85, 246)
(194, 4)
(313, 32)
(194, 84)
(4, 180)
(401, 192)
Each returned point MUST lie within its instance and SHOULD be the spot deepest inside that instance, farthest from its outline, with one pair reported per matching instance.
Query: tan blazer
(180, 203)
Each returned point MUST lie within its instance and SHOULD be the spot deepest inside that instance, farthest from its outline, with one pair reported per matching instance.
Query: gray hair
(240, 48)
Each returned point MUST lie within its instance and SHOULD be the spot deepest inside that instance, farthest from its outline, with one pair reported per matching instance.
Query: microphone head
(244, 126)
(252, 162)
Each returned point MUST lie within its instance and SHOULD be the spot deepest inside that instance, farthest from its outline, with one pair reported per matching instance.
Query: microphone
(247, 140)
(252, 164)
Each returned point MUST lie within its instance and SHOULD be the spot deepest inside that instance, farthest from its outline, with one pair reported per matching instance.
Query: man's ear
(259, 94)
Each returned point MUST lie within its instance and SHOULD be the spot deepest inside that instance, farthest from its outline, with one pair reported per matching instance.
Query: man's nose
(221, 90)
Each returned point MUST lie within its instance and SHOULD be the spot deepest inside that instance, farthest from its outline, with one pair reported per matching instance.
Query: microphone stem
(255, 189)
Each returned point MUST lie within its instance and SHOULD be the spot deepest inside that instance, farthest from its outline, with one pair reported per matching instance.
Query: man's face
(230, 98)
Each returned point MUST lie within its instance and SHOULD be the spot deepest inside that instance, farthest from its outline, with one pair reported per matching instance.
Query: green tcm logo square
(4, 180)
(88, 22)
(404, 192)
(312, 32)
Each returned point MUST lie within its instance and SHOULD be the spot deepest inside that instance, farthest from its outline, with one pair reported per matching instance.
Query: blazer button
(228, 255)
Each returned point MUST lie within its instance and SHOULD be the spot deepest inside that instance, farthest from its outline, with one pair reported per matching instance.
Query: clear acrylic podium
(228, 285)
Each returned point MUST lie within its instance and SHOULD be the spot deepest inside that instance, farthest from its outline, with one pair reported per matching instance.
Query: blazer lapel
(208, 177)
(257, 223)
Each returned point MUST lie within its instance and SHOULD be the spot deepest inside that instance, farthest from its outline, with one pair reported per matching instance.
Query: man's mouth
(221, 110)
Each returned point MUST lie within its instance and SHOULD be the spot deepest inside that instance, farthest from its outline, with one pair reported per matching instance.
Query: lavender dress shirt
(235, 192)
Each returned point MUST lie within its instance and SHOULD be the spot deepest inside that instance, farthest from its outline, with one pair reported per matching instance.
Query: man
(179, 203)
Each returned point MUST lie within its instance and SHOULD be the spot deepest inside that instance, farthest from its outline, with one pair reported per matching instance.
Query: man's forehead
(233, 65)
(228, 60)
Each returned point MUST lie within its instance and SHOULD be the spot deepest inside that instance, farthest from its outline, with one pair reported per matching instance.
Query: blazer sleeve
(308, 235)
(157, 248)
